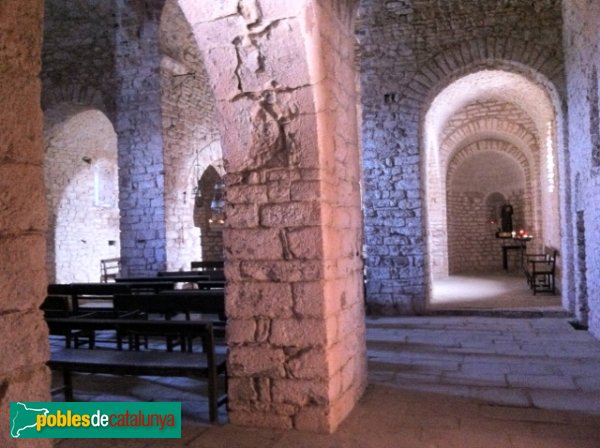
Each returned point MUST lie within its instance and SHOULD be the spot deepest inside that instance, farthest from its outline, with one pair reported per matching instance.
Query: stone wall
(78, 58)
(409, 51)
(23, 218)
(581, 40)
(78, 77)
(139, 130)
(472, 244)
(190, 136)
(82, 189)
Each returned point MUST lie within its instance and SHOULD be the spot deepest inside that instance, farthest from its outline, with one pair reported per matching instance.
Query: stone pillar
(139, 130)
(285, 88)
(23, 220)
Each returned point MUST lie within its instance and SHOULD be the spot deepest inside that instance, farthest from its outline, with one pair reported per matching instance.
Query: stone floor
(495, 292)
(435, 382)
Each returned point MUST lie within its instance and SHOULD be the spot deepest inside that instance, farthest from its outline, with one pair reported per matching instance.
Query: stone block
(249, 300)
(308, 364)
(292, 214)
(282, 271)
(21, 146)
(241, 331)
(24, 202)
(247, 194)
(256, 361)
(29, 384)
(21, 25)
(305, 190)
(25, 341)
(253, 244)
(22, 255)
(309, 299)
(242, 390)
(298, 332)
(305, 243)
(300, 393)
(242, 216)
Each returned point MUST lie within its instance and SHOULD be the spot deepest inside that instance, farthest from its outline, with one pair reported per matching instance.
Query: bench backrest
(57, 306)
(207, 265)
(184, 328)
(109, 289)
(188, 301)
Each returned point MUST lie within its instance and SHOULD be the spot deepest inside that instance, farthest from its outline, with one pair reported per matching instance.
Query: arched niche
(211, 234)
(81, 177)
(528, 128)
(472, 244)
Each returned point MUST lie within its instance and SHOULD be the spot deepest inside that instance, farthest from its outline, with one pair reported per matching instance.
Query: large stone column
(139, 130)
(23, 220)
(284, 82)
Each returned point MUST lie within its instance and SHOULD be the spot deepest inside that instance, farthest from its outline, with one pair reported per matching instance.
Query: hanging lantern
(217, 207)
(197, 193)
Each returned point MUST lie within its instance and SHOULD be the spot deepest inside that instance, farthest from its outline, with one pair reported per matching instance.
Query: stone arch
(292, 236)
(541, 115)
(82, 191)
(467, 151)
(211, 236)
(474, 173)
(190, 133)
(536, 62)
(73, 93)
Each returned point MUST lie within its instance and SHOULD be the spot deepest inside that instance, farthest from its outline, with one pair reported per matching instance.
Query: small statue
(506, 217)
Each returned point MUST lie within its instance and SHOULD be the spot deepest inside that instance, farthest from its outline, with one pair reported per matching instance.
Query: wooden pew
(104, 292)
(171, 303)
(207, 365)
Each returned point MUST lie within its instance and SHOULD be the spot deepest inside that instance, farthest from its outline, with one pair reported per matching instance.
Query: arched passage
(190, 134)
(82, 191)
(512, 118)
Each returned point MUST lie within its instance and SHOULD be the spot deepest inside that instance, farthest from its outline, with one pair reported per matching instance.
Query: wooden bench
(540, 271)
(207, 365)
(104, 292)
(61, 306)
(171, 303)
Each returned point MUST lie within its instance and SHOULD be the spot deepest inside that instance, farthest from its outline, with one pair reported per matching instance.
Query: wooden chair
(109, 269)
(540, 271)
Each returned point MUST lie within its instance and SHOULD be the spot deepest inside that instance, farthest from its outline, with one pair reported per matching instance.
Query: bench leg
(213, 398)
(68, 385)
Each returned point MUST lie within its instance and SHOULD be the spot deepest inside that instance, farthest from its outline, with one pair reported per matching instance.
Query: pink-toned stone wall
(23, 216)
(582, 47)
(292, 239)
